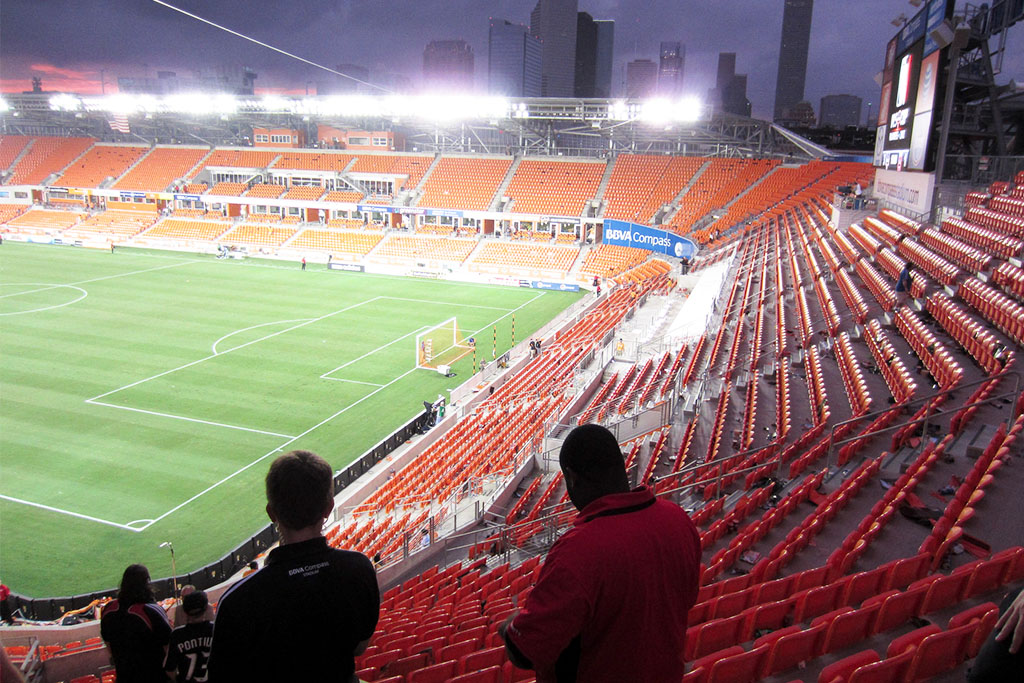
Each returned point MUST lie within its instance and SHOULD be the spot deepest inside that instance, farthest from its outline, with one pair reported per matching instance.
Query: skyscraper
(670, 69)
(605, 52)
(641, 78)
(513, 60)
(796, 37)
(839, 111)
(554, 23)
(730, 91)
(593, 56)
(448, 66)
(586, 55)
(734, 97)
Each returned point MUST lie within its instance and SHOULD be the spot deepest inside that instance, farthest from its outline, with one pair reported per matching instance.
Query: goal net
(441, 345)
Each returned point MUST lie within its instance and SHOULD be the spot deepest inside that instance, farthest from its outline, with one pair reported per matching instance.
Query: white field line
(70, 513)
(276, 450)
(446, 303)
(252, 327)
(353, 381)
(313, 428)
(188, 419)
(96, 279)
(235, 348)
(370, 353)
(280, 448)
(46, 308)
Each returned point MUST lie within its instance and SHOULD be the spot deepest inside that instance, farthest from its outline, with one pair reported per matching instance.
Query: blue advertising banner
(936, 15)
(626, 234)
(557, 286)
(912, 32)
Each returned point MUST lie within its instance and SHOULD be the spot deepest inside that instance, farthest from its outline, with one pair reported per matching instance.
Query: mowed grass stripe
(138, 322)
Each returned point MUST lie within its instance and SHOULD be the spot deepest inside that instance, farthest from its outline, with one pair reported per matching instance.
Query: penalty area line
(279, 449)
(188, 419)
(370, 353)
(69, 513)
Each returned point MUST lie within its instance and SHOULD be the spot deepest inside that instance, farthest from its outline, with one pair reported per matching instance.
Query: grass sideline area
(143, 394)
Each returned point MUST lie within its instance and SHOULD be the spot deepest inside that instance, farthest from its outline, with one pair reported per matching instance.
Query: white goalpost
(440, 345)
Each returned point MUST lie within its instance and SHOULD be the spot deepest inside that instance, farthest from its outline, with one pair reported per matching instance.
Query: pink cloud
(59, 79)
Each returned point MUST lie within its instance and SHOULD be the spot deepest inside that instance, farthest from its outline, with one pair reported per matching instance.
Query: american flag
(119, 122)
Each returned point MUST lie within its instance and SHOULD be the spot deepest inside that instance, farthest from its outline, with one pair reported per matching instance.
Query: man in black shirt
(311, 609)
(189, 650)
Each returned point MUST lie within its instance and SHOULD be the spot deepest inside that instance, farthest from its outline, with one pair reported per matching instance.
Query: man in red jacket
(612, 598)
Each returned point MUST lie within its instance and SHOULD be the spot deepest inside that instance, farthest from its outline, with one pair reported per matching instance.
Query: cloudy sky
(69, 42)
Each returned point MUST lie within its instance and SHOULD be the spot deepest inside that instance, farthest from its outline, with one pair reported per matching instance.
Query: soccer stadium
(816, 354)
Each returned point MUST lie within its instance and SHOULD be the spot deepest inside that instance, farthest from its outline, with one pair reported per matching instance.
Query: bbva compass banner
(626, 234)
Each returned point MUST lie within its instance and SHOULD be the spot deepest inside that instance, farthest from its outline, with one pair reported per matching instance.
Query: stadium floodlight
(120, 104)
(657, 111)
(448, 107)
(618, 111)
(689, 109)
(65, 102)
(3, 105)
(201, 103)
(661, 111)
(276, 103)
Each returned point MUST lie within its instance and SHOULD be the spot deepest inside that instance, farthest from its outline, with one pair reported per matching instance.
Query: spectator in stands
(612, 598)
(136, 630)
(904, 282)
(189, 649)
(5, 607)
(1001, 657)
(178, 615)
(8, 671)
(312, 608)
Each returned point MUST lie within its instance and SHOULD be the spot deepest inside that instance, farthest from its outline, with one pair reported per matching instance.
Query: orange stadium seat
(161, 167)
(344, 244)
(464, 183)
(45, 156)
(554, 188)
(99, 163)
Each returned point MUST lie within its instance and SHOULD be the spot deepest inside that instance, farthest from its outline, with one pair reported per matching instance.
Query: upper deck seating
(314, 161)
(722, 180)
(47, 155)
(640, 184)
(160, 168)
(98, 164)
(248, 159)
(393, 164)
(461, 183)
(554, 188)
(10, 147)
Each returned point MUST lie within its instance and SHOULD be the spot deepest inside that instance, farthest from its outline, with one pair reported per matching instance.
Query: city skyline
(71, 46)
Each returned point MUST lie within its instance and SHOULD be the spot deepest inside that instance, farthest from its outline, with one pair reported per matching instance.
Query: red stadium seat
(490, 675)
(840, 672)
(436, 673)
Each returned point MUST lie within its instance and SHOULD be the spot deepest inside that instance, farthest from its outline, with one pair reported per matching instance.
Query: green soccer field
(143, 394)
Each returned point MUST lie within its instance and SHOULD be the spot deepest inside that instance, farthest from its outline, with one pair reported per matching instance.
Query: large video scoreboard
(912, 81)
